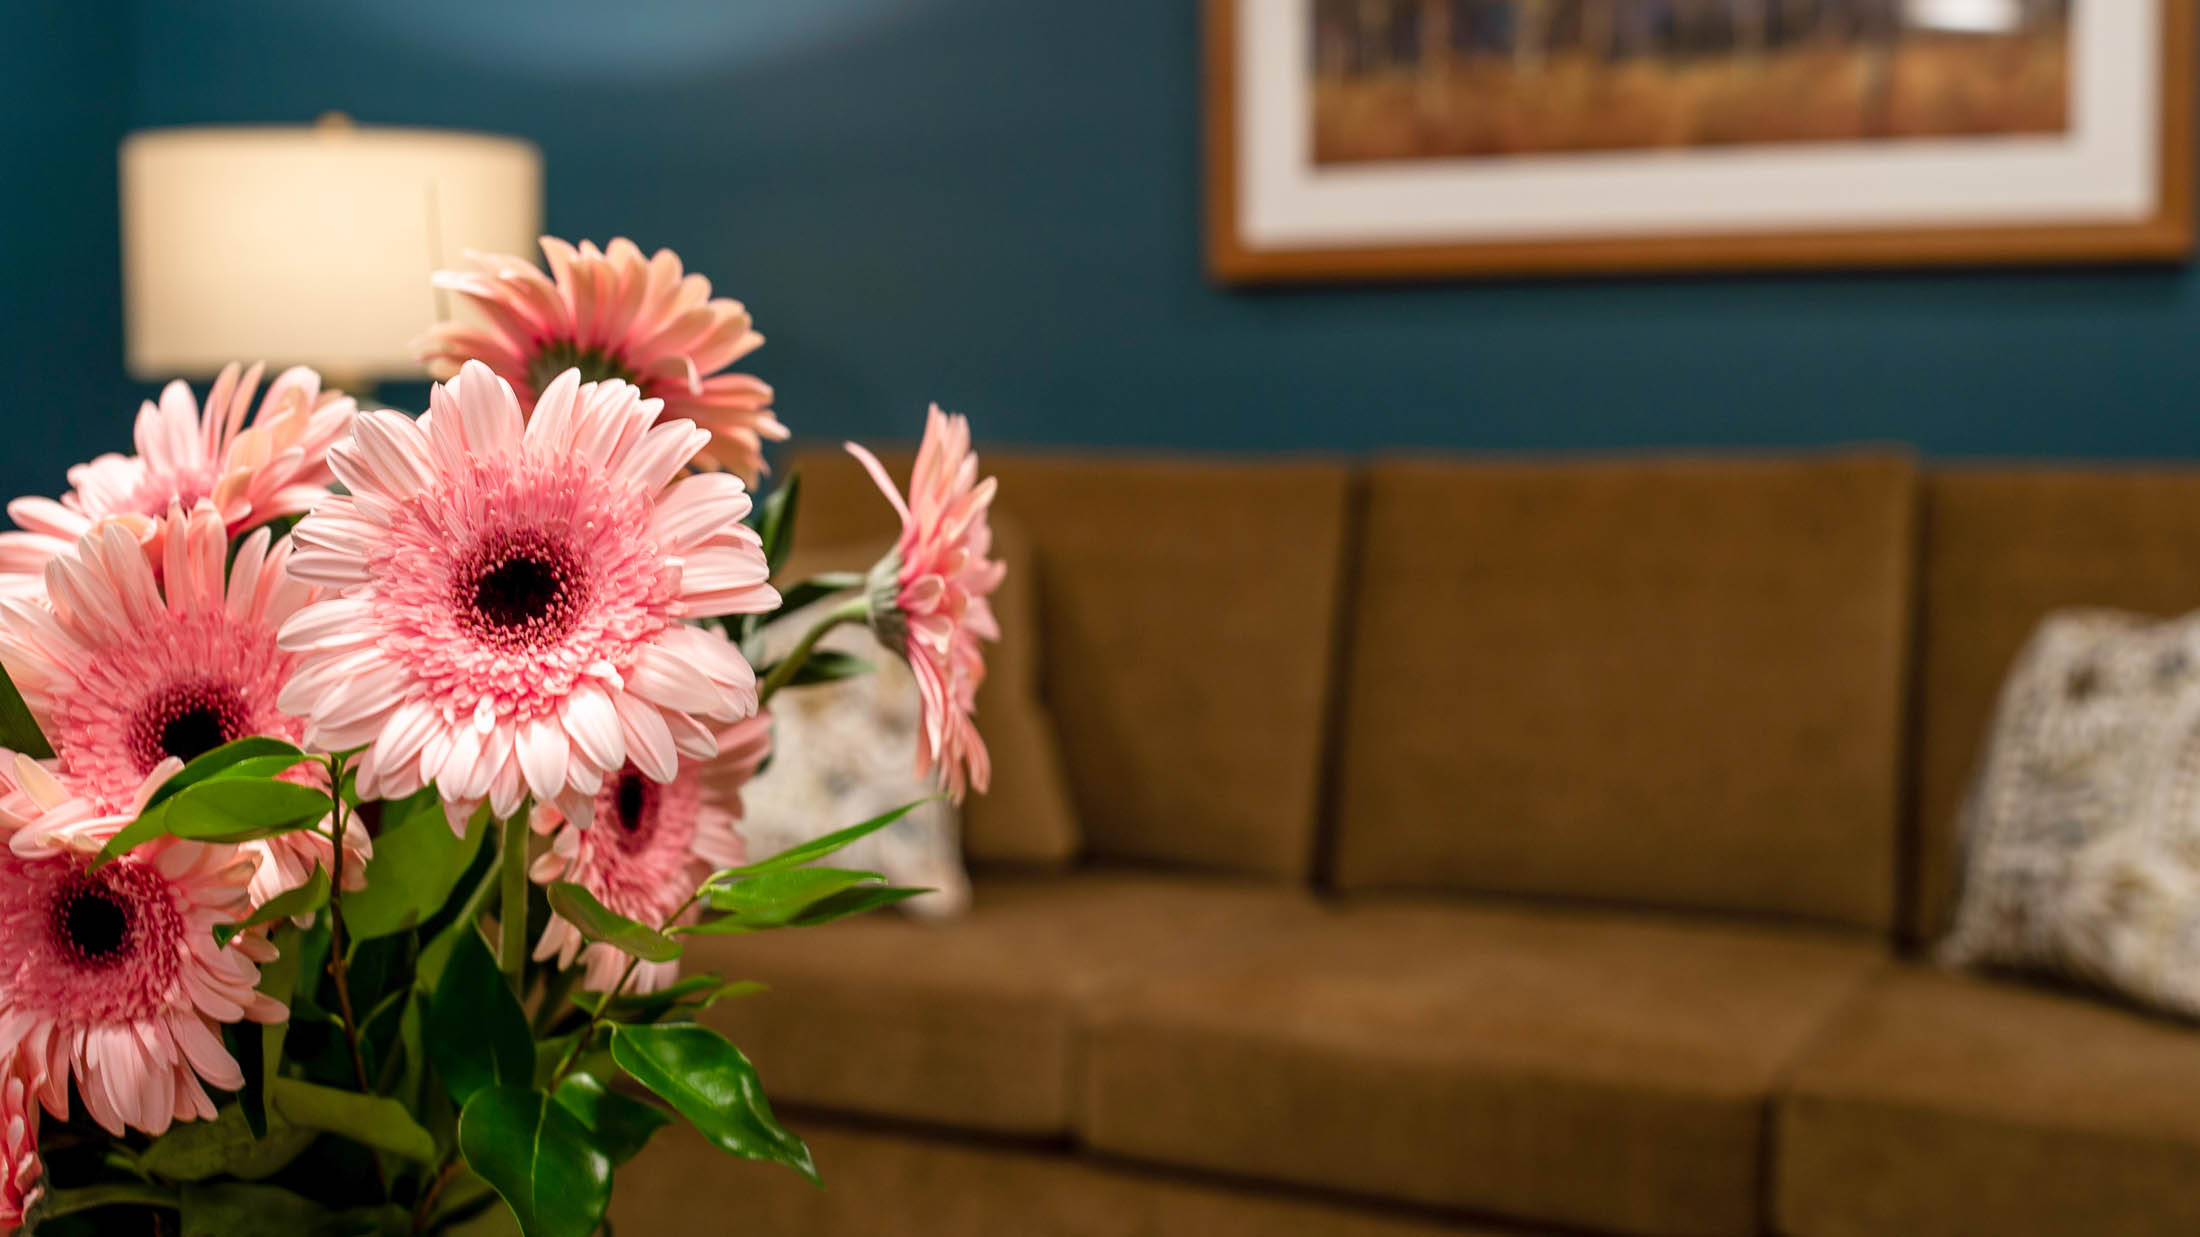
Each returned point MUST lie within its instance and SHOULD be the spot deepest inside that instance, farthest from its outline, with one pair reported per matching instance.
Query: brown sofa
(1518, 846)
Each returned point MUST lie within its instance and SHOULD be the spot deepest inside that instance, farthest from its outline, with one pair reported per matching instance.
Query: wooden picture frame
(2165, 233)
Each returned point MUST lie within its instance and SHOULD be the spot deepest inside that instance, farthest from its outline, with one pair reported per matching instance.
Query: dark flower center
(192, 733)
(186, 721)
(633, 798)
(520, 590)
(555, 356)
(516, 592)
(91, 924)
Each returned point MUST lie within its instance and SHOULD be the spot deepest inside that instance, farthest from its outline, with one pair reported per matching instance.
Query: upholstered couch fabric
(976, 1023)
(1663, 682)
(2001, 548)
(880, 1184)
(1641, 766)
(1942, 1105)
(1605, 1070)
(1188, 612)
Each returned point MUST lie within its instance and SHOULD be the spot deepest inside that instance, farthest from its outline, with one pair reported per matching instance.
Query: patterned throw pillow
(844, 752)
(2082, 832)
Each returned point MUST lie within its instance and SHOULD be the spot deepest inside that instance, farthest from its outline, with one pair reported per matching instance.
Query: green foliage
(18, 729)
(540, 1158)
(462, 1086)
(598, 922)
(780, 892)
(417, 862)
(58, 1202)
(227, 1145)
(477, 1033)
(700, 1073)
(810, 591)
(226, 1209)
(249, 757)
(291, 904)
(774, 899)
(262, 1059)
(775, 521)
(815, 848)
(221, 809)
(829, 665)
(369, 1120)
(682, 997)
(620, 1124)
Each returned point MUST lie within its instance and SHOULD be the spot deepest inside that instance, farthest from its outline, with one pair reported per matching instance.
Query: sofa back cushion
(1662, 681)
(2002, 547)
(1187, 615)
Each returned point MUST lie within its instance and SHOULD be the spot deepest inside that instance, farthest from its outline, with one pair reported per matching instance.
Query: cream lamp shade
(308, 245)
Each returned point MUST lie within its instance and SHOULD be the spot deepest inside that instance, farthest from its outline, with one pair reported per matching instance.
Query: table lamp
(308, 245)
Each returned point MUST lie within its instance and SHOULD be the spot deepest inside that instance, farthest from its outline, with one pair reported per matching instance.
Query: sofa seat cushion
(973, 1023)
(1942, 1104)
(894, 1183)
(1606, 1070)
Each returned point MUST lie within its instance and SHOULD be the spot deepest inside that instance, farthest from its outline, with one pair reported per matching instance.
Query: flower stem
(855, 611)
(434, 1191)
(512, 903)
(596, 1016)
(338, 965)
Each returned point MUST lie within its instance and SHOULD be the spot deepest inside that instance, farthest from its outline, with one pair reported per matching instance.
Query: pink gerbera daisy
(614, 314)
(19, 1165)
(928, 598)
(127, 667)
(512, 597)
(652, 845)
(275, 467)
(112, 979)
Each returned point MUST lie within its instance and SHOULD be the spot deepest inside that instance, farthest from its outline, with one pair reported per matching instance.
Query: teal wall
(63, 106)
(994, 203)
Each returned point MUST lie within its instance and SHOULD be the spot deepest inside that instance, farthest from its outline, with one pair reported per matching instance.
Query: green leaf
(622, 1125)
(305, 1004)
(696, 992)
(387, 1220)
(18, 729)
(598, 922)
(225, 1146)
(770, 899)
(244, 810)
(460, 919)
(227, 1209)
(478, 1035)
(223, 810)
(775, 523)
(838, 906)
(371, 1120)
(816, 848)
(852, 902)
(291, 903)
(697, 1071)
(817, 588)
(412, 1041)
(251, 756)
(54, 1204)
(264, 1056)
(829, 665)
(417, 862)
(539, 1157)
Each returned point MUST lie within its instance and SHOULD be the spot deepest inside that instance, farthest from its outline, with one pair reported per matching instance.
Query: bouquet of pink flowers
(366, 772)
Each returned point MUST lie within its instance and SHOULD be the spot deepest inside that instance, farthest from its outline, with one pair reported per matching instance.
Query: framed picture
(1359, 139)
